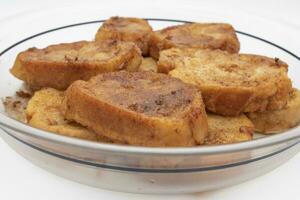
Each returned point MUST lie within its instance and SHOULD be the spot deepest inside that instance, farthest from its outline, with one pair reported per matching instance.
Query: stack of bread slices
(181, 86)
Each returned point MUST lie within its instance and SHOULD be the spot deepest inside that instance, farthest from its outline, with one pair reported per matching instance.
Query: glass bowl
(144, 169)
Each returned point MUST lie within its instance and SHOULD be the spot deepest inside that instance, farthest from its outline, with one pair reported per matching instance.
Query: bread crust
(195, 35)
(142, 108)
(57, 66)
(271, 122)
(126, 29)
(231, 84)
(227, 130)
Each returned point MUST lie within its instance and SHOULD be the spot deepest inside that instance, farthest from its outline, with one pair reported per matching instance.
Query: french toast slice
(148, 64)
(270, 122)
(226, 130)
(44, 111)
(231, 84)
(140, 108)
(195, 35)
(57, 66)
(126, 29)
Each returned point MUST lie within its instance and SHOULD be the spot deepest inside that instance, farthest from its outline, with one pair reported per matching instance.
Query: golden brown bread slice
(58, 66)
(230, 83)
(148, 64)
(44, 111)
(141, 108)
(270, 122)
(195, 35)
(126, 29)
(226, 130)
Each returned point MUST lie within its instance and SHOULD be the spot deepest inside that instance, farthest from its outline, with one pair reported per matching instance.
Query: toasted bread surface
(126, 29)
(141, 108)
(230, 83)
(270, 122)
(148, 64)
(226, 130)
(195, 35)
(58, 66)
(44, 111)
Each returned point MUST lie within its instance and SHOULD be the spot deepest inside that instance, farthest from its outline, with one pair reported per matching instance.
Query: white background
(20, 179)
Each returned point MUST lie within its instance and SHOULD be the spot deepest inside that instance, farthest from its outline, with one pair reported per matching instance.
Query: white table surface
(19, 179)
